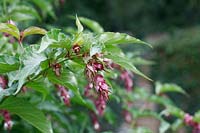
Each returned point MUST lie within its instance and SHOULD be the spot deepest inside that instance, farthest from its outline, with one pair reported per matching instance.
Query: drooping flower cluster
(97, 81)
(102, 96)
(95, 121)
(127, 116)
(3, 82)
(101, 86)
(7, 119)
(6, 115)
(188, 119)
(126, 77)
(92, 68)
(63, 94)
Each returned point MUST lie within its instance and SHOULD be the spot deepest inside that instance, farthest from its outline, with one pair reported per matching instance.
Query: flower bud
(127, 116)
(11, 22)
(76, 48)
(3, 82)
(98, 66)
(63, 94)
(7, 120)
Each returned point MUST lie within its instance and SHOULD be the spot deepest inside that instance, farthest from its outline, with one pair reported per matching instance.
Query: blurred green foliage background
(173, 25)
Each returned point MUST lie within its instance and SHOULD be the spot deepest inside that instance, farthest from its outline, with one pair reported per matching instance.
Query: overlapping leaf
(8, 64)
(54, 38)
(27, 112)
(10, 29)
(31, 65)
(125, 63)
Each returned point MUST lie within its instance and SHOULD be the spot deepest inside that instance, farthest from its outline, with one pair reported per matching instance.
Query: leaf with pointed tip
(126, 63)
(109, 38)
(174, 111)
(10, 29)
(160, 100)
(93, 25)
(79, 25)
(163, 88)
(28, 112)
(54, 38)
(33, 30)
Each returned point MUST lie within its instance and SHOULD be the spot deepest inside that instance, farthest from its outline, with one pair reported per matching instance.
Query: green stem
(21, 46)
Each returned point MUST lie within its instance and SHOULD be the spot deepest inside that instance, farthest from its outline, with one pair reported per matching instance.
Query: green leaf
(176, 124)
(164, 126)
(75, 66)
(174, 111)
(96, 27)
(46, 7)
(160, 100)
(68, 80)
(31, 61)
(126, 63)
(197, 116)
(10, 29)
(109, 38)
(79, 25)
(19, 13)
(28, 112)
(110, 116)
(8, 64)
(33, 30)
(113, 50)
(40, 86)
(141, 61)
(54, 38)
(17, 16)
(163, 88)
